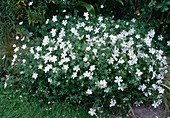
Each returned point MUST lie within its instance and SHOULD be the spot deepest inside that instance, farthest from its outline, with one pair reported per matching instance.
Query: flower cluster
(82, 60)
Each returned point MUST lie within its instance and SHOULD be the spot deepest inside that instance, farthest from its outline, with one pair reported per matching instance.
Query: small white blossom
(54, 19)
(89, 91)
(92, 112)
(20, 23)
(30, 3)
(118, 80)
(101, 6)
(35, 75)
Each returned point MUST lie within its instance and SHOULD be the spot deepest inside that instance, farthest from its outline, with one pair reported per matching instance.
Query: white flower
(24, 46)
(54, 19)
(17, 37)
(47, 68)
(14, 45)
(160, 37)
(118, 80)
(23, 38)
(20, 23)
(5, 85)
(35, 75)
(49, 80)
(46, 22)
(121, 61)
(23, 60)
(31, 50)
(133, 20)
(74, 75)
(86, 74)
(92, 112)
(40, 66)
(168, 43)
(139, 73)
(36, 56)
(101, 6)
(76, 68)
(92, 68)
(65, 67)
(86, 14)
(142, 87)
(3, 57)
(137, 36)
(53, 32)
(117, 26)
(94, 51)
(102, 84)
(161, 90)
(88, 48)
(100, 19)
(89, 91)
(64, 22)
(112, 103)
(16, 49)
(30, 3)
(38, 48)
(155, 104)
(45, 40)
(85, 59)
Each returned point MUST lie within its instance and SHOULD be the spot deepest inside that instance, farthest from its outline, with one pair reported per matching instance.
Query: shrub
(98, 63)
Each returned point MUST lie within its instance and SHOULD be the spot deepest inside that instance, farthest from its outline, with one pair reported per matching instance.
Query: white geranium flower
(137, 36)
(168, 43)
(118, 80)
(40, 66)
(139, 73)
(23, 38)
(92, 112)
(45, 40)
(24, 46)
(103, 84)
(112, 103)
(35, 75)
(53, 32)
(49, 80)
(89, 91)
(5, 85)
(65, 67)
(117, 26)
(76, 68)
(155, 104)
(101, 6)
(64, 22)
(20, 23)
(142, 87)
(54, 19)
(30, 3)
(46, 22)
(92, 68)
(100, 19)
(17, 37)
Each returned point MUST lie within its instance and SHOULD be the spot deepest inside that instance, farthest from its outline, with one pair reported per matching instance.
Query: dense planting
(99, 63)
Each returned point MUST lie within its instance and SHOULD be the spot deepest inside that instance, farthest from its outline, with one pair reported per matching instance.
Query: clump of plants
(100, 63)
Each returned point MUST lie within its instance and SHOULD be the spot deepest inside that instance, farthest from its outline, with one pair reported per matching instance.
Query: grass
(12, 105)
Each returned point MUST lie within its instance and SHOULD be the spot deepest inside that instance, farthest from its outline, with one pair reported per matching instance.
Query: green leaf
(168, 21)
(165, 8)
(167, 3)
(89, 7)
(159, 5)
(120, 1)
(166, 86)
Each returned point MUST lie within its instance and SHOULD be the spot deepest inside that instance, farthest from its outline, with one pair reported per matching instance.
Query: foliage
(99, 63)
